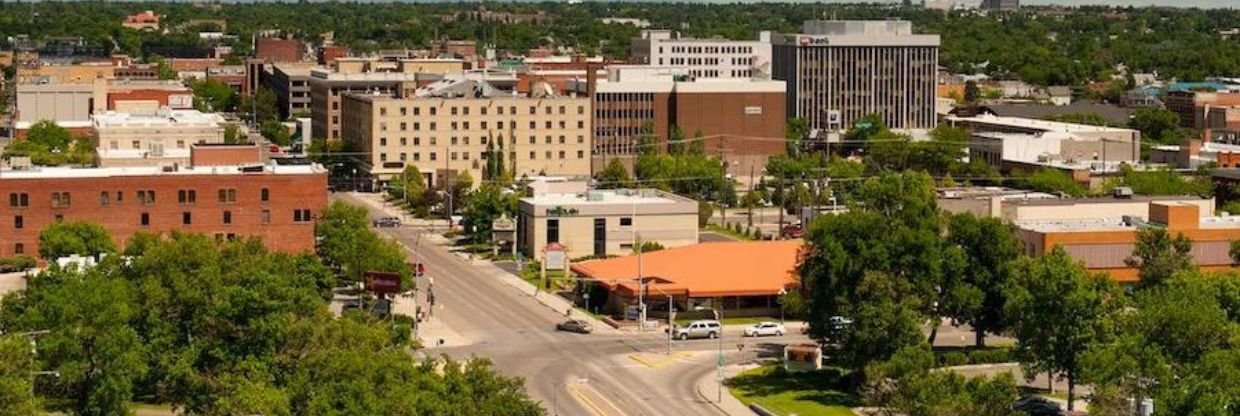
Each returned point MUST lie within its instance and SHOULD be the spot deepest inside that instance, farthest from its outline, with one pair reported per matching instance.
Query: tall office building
(840, 71)
(1001, 5)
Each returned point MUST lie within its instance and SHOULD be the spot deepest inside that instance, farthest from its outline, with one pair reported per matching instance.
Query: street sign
(740, 346)
(382, 282)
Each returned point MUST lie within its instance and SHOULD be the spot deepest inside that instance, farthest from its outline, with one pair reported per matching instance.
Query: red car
(793, 231)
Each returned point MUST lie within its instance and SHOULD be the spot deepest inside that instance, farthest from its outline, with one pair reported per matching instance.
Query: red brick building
(276, 203)
(329, 54)
(278, 50)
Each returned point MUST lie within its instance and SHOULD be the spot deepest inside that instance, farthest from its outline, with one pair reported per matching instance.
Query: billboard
(382, 282)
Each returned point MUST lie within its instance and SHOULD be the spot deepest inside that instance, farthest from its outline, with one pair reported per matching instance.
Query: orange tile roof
(703, 270)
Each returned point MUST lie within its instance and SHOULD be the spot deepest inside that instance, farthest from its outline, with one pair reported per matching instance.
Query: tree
(886, 319)
(409, 188)
(1057, 312)
(1157, 124)
(211, 95)
(261, 107)
(232, 135)
(276, 132)
(971, 92)
(750, 201)
(990, 247)
(613, 176)
(1159, 255)
(16, 389)
(485, 205)
(907, 384)
(348, 244)
(698, 146)
(796, 130)
(676, 144)
(62, 239)
(1054, 181)
(48, 134)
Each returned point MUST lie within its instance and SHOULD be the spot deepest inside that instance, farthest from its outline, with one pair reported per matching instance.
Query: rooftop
(1117, 224)
(1033, 123)
(61, 172)
(607, 197)
(162, 118)
(761, 268)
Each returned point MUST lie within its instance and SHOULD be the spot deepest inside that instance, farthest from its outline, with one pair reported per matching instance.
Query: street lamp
(780, 301)
(555, 393)
(718, 362)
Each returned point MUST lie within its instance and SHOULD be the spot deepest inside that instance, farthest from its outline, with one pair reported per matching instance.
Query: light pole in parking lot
(719, 317)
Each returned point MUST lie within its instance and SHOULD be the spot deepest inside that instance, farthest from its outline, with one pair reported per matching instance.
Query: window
(19, 222)
(432, 125)
(404, 141)
(626, 221)
(301, 215)
(417, 111)
(432, 109)
(19, 200)
(581, 139)
(531, 155)
(548, 154)
(561, 109)
(581, 109)
(454, 111)
(120, 196)
(187, 196)
(553, 230)
(19, 248)
(103, 198)
(383, 141)
(227, 217)
(266, 214)
(136, 144)
(561, 154)
(561, 139)
(59, 217)
(433, 156)
(146, 197)
(533, 110)
(264, 195)
(581, 124)
(187, 218)
(547, 110)
(228, 195)
(548, 139)
(533, 125)
(145, 220)
(180, 144)
(402, 156)
(60, 199)
(581, 154)
(547, 123)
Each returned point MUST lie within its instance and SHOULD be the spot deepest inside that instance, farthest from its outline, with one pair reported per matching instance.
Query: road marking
(657, 361)
(581, 397)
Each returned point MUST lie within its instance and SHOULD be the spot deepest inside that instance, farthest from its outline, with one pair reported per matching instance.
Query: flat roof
(60, 172)
(607, 197)
(162, 118)
(1116, 224)
(1038, 124)
(105, 153)
(742, 268)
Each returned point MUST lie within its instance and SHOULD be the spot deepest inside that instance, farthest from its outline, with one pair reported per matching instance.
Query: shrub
(17, 264)
(994, 356)
(953, 359)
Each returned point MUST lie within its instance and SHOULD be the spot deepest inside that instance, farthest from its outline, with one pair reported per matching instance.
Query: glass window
(553, 230)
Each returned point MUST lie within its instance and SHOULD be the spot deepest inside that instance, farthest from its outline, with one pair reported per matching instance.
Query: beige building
(65, 74)
(368, 75)
(159, 138)
(452, 125)
(603, 222)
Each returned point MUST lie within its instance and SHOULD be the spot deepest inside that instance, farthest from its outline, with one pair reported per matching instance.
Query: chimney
(591, 79)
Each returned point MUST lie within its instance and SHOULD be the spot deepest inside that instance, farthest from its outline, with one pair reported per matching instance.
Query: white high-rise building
(839, 71)
(705, 58)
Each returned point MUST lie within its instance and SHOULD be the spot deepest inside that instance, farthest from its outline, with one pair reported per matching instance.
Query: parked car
(1037, 406)
(762, 329)
(698, 329)
(386, 222)
(575, 325)
(793, 231)
(836, 325)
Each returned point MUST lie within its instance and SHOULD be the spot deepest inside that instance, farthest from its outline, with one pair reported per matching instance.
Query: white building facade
(705, 58)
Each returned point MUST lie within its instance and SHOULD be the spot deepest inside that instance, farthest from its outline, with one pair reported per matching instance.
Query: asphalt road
(625, 374)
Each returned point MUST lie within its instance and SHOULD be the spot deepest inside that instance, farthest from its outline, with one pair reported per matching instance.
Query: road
(625, 374)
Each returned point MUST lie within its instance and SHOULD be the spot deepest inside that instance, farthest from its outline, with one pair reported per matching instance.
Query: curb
(698, 389)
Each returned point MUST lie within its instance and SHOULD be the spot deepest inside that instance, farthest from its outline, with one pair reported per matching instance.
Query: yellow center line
(581, 397)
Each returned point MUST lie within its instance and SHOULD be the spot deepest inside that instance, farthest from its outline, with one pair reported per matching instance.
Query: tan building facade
(153, 139)
(605, 222)
(440, 133)
(368, 75)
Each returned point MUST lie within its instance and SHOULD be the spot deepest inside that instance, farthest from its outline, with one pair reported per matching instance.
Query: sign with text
(561, 212)
(382, 282)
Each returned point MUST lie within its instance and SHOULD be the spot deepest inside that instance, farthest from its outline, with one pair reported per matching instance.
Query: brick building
(741, 120)
(368, 75)
(278, 50)
(276, 203)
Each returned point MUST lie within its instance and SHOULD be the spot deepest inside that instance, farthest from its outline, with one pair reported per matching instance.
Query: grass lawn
(718, 229)
(795, 393)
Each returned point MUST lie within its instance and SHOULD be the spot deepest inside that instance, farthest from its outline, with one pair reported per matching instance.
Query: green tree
(1157, 124)
(261, 107)
(676, 144)
(1158, 255)
(485, 205)
(1057, 311)
(409, 188)
(82, 238)
(990, 247)
(613, 176)
(276, 132)
(1055, 181)
(51, 136)
(16, 389)
(348, 244)
(211, 95)
(971, 92)
(232, 135)
(886, 319)
(796, 130)
(750, 201)
(907, 384)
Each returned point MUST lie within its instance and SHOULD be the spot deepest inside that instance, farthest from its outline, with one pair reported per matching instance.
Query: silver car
(698, 329)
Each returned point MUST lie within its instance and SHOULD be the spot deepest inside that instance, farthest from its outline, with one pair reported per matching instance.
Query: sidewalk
(550, 300)
(708, 390)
